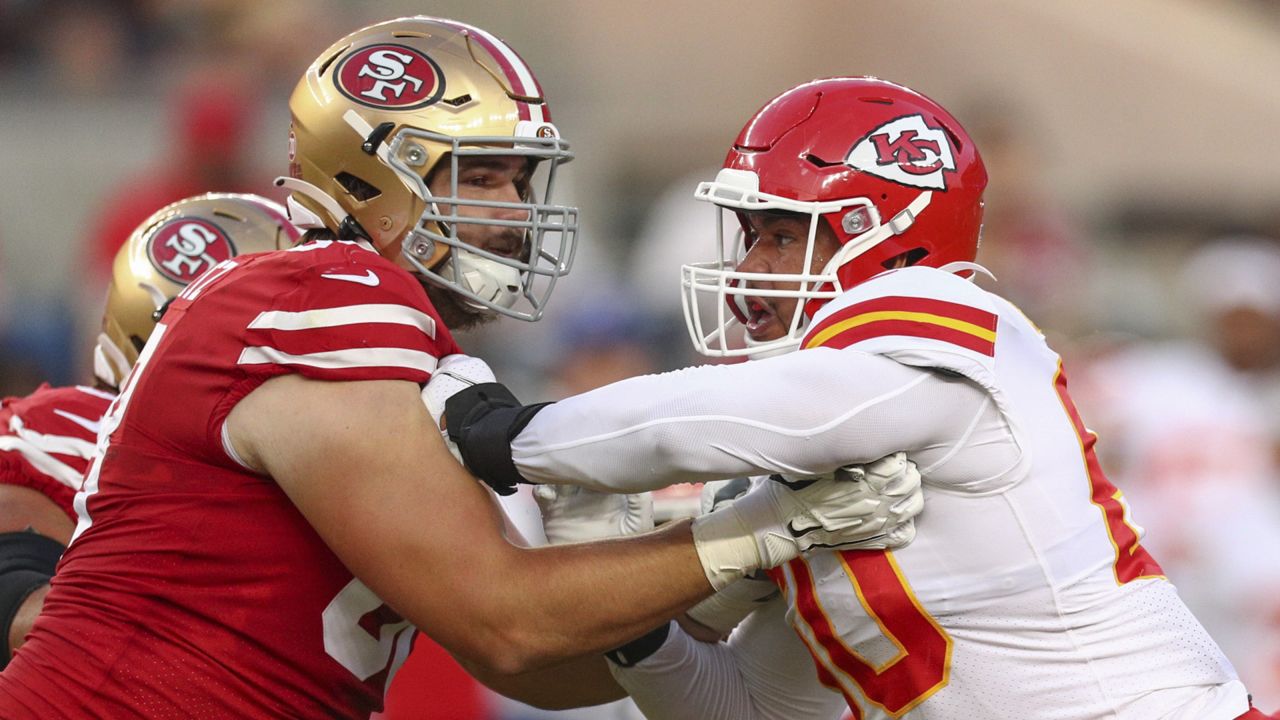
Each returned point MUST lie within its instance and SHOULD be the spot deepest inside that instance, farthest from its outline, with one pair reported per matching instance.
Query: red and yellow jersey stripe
(964, 325)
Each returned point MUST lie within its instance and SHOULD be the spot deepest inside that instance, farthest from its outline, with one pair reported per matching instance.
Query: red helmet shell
(862, 137)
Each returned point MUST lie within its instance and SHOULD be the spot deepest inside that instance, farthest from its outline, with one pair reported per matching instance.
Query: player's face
(490, 179)
(779, 248)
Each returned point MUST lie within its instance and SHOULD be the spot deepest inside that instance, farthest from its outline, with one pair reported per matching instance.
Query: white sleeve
(763, 672)
(805, 413)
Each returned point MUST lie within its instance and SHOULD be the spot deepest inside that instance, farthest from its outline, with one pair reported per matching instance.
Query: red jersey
(47, 440)
(193, 587)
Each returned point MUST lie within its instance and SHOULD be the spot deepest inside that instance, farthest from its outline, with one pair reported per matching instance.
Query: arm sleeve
(802, 414)
(763, 672)
(342, 330)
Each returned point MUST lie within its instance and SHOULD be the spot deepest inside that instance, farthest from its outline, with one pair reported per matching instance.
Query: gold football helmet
(165, 253)
(382, 109)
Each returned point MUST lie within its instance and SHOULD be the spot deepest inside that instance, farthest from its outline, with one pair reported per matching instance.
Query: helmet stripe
(513, 67)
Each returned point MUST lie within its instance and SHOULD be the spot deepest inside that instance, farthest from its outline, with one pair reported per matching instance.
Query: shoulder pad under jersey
(918, 316)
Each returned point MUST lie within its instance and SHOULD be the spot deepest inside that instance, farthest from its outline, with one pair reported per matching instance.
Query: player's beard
(453, 309)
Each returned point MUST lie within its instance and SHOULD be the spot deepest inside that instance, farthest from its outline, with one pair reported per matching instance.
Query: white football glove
(858, 507)
(453, 373)
(721, 494)
(726, 608)
(577, 514)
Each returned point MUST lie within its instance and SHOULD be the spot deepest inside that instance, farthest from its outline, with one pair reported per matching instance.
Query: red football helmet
(888, 170)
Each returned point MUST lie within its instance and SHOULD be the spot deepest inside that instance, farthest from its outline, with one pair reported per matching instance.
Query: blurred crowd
(1171, 335)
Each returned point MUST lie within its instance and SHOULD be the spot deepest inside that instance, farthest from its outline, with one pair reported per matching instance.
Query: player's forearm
(581, 682)
(566, 601)
(24, 514)
(26, 617)
(22, 508)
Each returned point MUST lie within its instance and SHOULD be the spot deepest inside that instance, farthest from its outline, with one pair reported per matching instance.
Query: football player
(48, 437)
(1027, 592)
(272, 509)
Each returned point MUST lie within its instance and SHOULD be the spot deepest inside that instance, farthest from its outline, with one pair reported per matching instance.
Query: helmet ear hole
(906, 259)
(357, 187)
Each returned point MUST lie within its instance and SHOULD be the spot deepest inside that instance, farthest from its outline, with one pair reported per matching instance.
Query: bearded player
(49, 436)
(1027, 592)
(272, 509)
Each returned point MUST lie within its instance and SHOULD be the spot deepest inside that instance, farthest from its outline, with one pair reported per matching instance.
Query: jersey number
(363, 634)
(923, 663)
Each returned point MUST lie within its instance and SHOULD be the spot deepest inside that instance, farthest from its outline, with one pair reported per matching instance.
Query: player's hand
(723, 611)
(718, 494)
(482, 420)
(869, 507)
(876, 510)
(576, 514)
(454, 373)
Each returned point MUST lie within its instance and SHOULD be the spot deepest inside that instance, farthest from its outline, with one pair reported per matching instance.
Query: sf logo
(909, 152)
(385, 67)
(190, 245)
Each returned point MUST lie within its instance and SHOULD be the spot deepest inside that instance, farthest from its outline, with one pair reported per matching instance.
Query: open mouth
(760, 316)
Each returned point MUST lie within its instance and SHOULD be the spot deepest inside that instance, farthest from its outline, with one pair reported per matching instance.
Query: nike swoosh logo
(798, 533)
(368, 278)
(90, 425)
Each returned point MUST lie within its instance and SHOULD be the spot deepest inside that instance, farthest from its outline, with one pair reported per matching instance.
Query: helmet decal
(184, 248)
(908, 192)
(389, 77)
(906, 151)
(384, 108)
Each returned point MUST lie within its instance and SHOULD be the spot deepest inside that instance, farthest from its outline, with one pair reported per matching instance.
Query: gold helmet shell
(165, 253)
(383, 108)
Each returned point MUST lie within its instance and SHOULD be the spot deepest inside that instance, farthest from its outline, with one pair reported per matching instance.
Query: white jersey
(1026, 593)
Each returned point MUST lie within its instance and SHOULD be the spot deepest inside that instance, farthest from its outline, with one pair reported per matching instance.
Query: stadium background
(1131, 145)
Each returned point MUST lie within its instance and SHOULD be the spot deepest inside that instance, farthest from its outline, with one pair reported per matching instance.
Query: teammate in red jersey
(48, 437)
(272, 507)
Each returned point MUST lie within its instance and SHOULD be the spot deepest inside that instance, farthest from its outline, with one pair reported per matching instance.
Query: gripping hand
(577, 514)
(722, 612)
(876, 510)
(857, 507)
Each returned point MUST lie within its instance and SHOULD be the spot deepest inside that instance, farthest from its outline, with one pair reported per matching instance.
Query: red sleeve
(356, 320)
(48, 438)
(327, 311)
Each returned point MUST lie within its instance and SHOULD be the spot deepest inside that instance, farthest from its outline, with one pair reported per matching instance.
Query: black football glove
(482, 420)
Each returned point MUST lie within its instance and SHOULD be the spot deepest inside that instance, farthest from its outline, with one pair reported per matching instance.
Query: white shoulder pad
(918, 316)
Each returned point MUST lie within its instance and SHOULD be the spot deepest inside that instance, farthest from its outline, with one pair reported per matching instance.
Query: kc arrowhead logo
(906, 151)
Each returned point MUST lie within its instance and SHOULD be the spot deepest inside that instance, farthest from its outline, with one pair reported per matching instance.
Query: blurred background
(1133, 211)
